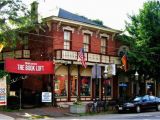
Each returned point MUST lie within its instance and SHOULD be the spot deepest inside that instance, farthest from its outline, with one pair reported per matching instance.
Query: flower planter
(77, 108)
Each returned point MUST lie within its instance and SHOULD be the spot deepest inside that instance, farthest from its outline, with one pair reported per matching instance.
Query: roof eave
(82, 24)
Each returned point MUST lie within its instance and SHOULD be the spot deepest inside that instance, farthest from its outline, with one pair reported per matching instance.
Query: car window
(145, 98)
(137, 99)
(152, 98)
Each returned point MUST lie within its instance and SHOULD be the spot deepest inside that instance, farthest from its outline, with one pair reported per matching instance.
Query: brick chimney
(34, 12)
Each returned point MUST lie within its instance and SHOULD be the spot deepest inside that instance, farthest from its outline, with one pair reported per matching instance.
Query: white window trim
(68, 28)
(87, 32)
(104, 35)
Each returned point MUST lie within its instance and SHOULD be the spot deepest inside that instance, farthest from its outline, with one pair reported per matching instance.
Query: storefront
(72, 81)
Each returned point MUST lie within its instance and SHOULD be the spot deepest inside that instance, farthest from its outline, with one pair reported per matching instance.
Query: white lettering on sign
(20, 67)
(30, 67)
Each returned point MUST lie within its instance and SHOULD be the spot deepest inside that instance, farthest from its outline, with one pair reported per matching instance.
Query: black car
(140, 103)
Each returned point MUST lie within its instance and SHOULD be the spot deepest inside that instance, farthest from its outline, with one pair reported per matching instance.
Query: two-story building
(60, 39)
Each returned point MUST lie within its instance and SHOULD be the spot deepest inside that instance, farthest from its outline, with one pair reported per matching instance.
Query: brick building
(60, 39)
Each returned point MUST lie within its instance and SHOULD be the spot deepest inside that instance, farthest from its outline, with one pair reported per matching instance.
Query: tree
(100, 22)
(13, 15)
(144, 40)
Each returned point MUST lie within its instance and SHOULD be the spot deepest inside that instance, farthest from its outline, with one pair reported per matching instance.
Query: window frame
(104, 45)
(67, 42)
(86, 42)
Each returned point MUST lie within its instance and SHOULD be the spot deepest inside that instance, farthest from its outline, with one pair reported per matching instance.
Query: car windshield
(137, 99)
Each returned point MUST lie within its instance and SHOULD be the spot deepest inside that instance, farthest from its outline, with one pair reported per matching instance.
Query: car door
(153, 102)
(145, 104)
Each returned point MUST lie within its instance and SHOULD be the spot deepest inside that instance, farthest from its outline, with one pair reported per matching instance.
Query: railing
(23, 54)
(90, 57)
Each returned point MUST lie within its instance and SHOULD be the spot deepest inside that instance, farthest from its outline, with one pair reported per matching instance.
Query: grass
(5, 109)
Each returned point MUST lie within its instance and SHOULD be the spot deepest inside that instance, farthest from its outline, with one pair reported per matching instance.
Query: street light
(137, 84)
(136, 75)
(105, 75)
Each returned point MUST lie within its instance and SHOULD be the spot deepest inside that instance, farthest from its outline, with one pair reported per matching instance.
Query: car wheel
(138, 109)
(158, 107)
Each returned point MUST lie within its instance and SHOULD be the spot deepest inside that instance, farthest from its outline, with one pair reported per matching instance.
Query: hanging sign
(3, 91)
(111, 69)
(29, 67)
(96, 71)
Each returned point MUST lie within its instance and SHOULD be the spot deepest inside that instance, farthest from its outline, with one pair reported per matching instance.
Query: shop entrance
(19, 69)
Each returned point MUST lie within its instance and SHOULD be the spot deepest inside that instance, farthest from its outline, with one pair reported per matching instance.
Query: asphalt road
(125, 116)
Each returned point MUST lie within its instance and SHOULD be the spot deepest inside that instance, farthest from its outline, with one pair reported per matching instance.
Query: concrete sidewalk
(38, 113)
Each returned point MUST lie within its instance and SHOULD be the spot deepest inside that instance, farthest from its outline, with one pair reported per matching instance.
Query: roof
(63, 14)
(68, 15)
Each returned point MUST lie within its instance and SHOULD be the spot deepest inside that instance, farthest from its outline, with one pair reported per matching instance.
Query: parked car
(140, 103)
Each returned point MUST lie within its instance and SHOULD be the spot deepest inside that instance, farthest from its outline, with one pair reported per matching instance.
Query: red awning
(29, 67)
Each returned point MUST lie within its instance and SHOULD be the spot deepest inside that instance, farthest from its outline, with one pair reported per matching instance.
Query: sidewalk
(36, 113)
(47, 112)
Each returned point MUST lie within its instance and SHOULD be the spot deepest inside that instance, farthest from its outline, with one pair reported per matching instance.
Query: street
(125, 116)
(113, 116)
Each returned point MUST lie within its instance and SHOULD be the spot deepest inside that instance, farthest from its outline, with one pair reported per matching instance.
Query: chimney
(34, 12)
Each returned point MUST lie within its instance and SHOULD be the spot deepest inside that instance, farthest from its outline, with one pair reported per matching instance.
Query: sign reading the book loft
(29, 67)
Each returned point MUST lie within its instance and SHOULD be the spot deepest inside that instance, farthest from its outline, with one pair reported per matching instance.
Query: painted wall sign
(29, 67)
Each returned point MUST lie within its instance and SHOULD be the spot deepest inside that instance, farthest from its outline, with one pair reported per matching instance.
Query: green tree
(144, 40)
(13, 15)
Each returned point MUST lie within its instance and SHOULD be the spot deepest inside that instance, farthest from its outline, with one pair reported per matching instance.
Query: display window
(85, 86)
(107, 87)
(61, 85)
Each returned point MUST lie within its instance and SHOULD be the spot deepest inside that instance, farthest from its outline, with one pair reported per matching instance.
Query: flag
(124, 62)
(82, 57)
(1, 46)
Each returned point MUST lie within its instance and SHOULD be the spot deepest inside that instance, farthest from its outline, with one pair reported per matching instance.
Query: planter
(77, 108)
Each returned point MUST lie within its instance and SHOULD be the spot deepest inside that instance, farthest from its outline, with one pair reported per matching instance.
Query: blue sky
(113, 13)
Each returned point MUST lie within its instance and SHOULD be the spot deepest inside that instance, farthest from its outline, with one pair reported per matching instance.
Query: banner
(29, 67)
(111, 69)
(96, 71)
(3, 91)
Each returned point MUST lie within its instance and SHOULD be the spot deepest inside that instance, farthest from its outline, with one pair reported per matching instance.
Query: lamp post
(137, 84)
(105, 84)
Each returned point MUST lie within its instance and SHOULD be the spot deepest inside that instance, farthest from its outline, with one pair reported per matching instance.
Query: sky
(113, 13)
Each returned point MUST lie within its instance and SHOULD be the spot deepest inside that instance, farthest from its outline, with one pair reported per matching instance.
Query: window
(67, 40)
(85, 86)
(86, 42)
(25, 42)
(61, 85)
(107, 87)
(74, 86)
(103, 45)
